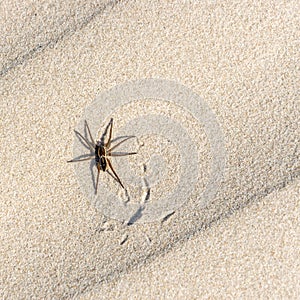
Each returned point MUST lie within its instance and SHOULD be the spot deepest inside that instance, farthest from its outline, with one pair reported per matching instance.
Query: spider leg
(83, 159)
(107, 145)
(88, 128)
(96, 190)
(112, 169)
(121, 153)
(115, 146)
(92, 147)
(112, 175)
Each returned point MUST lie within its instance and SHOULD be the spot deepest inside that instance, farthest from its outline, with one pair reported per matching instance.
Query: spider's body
(102, 152)
(100, 157)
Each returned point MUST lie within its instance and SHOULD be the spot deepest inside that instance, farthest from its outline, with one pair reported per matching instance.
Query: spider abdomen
(100, 157)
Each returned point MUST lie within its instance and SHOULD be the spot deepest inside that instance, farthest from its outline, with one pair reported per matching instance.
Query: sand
(249, 255)
(240, 59)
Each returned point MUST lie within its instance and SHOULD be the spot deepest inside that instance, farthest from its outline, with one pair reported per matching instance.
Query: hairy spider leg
(111, 167)
(121, 153)
(91, 146)
(99, 168)
(91, 137)
(107, 145)
(117, 145)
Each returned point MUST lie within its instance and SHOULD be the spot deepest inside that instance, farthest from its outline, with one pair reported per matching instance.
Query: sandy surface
(249, 255)
(29, 27)
(241, 59)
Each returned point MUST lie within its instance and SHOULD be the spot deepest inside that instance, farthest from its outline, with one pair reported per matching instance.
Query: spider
(102, 151)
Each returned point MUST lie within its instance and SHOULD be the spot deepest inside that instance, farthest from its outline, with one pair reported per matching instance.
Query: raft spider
(102, 152)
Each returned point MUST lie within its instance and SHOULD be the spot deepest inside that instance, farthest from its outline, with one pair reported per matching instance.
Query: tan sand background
(218, 263)
(241, 58)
